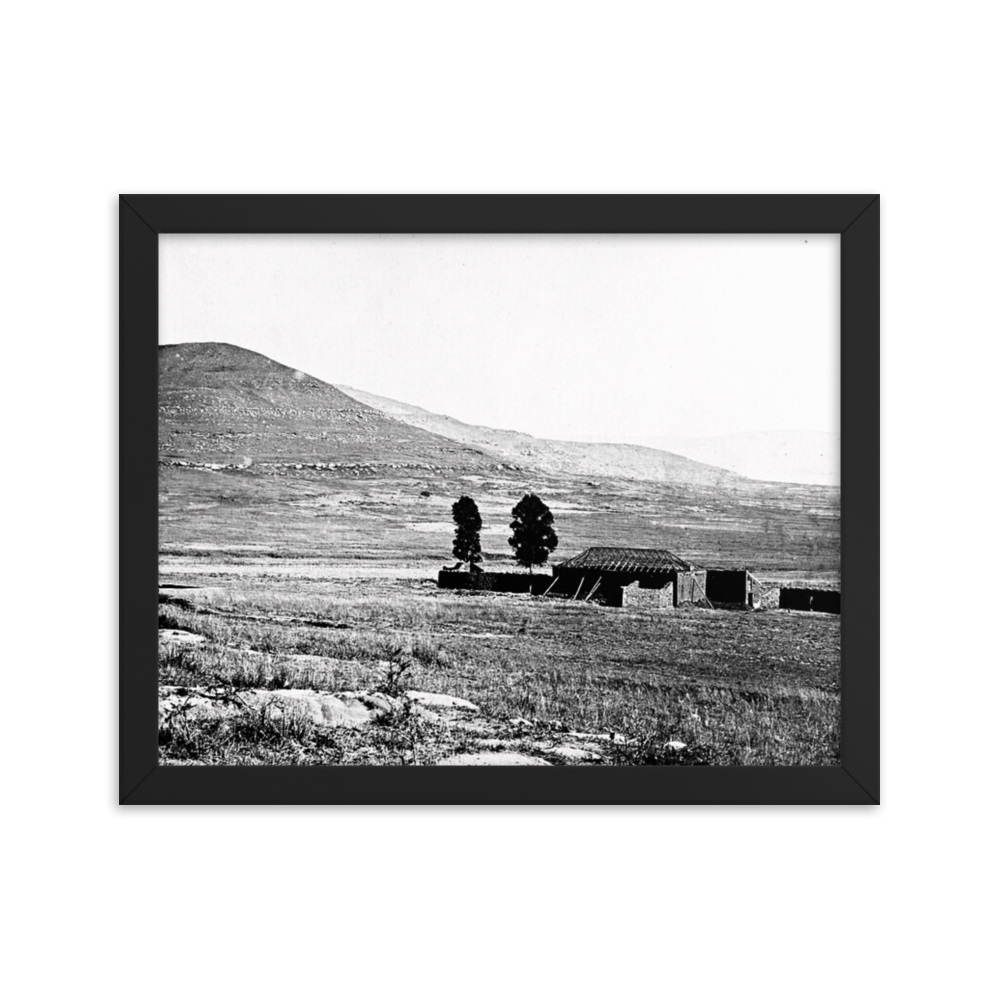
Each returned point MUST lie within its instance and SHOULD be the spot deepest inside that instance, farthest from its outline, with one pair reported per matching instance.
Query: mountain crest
(225, 404)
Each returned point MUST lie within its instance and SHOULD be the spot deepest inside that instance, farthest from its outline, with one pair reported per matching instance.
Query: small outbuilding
(617, 576)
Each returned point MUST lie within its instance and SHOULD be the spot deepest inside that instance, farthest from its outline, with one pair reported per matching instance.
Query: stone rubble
(484, 742)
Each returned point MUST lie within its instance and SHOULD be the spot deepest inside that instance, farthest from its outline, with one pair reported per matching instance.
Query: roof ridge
(628, 559)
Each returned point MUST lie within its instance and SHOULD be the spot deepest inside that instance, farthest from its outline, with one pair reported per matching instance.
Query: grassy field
(333, 517)
(314, 581)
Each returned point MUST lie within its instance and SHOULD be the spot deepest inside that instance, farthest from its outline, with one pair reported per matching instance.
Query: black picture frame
(142, 217)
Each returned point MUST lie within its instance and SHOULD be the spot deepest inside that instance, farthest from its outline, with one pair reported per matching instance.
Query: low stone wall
(504, 583)
(689, 588)
(648, 598)
(795, 599)
(764, 596)
(803, 599)
(826, 600)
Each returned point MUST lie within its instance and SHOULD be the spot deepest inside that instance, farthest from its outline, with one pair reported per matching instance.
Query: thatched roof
(615, 559)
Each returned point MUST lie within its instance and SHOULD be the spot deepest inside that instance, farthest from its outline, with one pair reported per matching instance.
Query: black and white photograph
(515, 500)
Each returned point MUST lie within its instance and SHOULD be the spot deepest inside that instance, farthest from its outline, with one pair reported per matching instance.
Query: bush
(392, 684)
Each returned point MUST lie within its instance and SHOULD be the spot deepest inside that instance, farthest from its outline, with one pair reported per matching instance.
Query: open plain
(301, 622)
(320, 582)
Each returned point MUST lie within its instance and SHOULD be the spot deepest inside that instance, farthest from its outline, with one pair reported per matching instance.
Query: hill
(224, 404)
(260, 461)
(620, 461)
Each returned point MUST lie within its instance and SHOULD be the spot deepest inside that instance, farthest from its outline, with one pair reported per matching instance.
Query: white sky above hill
(633, 339)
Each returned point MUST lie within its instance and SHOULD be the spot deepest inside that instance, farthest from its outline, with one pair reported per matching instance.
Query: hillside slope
(622, 461)
(224, 404)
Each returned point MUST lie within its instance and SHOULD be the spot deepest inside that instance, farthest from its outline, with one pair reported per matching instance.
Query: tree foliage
(468, 523)
(534, 537)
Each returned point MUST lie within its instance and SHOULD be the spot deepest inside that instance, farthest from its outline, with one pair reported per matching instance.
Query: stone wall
(764, 596)
(795, 599)
(826, 600)
(506, 583)
(648, 598)
(804, 599)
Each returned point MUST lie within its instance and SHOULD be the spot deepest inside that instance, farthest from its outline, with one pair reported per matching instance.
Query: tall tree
(534, 537)
(468, 523)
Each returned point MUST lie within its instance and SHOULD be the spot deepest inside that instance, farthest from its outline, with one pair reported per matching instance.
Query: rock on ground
(374, 700)
(180, 637)
(441, 701)
(346, 708)
(322, 709)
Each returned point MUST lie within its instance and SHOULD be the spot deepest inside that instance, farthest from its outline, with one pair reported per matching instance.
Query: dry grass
(242, 516)
(749, 688)
(326, 582)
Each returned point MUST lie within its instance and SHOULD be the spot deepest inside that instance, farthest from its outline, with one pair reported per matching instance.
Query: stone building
(604, 573)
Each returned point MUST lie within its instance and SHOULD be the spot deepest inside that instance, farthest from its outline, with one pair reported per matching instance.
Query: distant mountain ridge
(222, 404)
(624, 461)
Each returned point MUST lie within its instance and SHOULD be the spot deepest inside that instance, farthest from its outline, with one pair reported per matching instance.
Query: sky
(641, 339)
